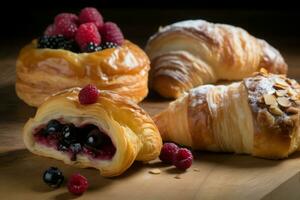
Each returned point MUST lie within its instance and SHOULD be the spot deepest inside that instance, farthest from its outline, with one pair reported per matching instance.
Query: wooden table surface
(212, 176)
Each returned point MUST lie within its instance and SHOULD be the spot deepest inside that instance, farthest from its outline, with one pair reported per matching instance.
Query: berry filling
(87, 139)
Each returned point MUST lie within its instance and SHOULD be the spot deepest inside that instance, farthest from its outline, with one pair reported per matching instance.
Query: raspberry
(88, 94)
(167, 152)
(67, 17)
(110, 32)
(87, 33)
(66, 27)
(77, 184)
(90, 14)
(50, 30)
(183, 159)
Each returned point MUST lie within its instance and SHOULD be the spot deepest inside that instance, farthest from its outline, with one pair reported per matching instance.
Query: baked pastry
(190, 53)
(258, 116)
(79, 54)
(42, 72)
(108, 135)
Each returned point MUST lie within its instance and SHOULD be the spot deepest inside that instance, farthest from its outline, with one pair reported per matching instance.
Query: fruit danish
(195, 52)
(75, 51)
(258, 116)
(108, 133)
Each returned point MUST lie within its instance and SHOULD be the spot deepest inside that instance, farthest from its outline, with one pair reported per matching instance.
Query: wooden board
(212, 176)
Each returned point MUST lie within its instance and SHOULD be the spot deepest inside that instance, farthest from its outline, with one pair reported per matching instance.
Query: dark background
(278, 22)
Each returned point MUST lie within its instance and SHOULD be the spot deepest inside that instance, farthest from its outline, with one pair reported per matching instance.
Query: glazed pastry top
(126, 59)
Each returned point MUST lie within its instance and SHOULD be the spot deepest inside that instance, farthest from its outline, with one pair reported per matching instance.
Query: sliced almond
(292, 92)
(295, 98)
(263, 71)
(283, 101)
(281, 93)
(291, 81)
(281, 82)
(270, 99)
(155, 171)
(277, 86)
(292, 110)
(275, 110)
(265, 118)
(177, 176)
(196, 170)
(297, 102)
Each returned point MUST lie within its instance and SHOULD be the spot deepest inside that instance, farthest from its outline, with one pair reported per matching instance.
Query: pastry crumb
(155, 171)
(177, 176)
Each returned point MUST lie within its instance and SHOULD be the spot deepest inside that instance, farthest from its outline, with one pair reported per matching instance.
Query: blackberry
(53, 126)
(92, 47)
(56, 42)
(68, 134)
(94, 139)
(108, 45)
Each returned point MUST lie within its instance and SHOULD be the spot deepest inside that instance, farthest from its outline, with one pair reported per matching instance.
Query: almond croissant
(195, 52)
(258, 116)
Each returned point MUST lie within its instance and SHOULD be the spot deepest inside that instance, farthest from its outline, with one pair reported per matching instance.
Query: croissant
(195, 52)
(108, 135)
(43, 72)
(257, 116)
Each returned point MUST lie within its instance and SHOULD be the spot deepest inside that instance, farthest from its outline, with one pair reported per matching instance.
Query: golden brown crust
(42, 72)
(274, 100)
(200, 120)
(131, 129)
(258, 116)
(195, 52)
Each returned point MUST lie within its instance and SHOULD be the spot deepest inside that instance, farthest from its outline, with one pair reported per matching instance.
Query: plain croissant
(195, 52)
(257, 116)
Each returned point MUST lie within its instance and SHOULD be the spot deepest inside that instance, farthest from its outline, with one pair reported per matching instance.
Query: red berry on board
(183, 159)
(77, 184)
(168, 152)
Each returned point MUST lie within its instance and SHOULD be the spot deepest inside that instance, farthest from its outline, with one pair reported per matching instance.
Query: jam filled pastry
(108, 132)
(258, 116)
(195, 52)
(77, 50)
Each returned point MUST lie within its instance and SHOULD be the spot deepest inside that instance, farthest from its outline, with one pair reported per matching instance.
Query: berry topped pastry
(77, 50)
(92, 128)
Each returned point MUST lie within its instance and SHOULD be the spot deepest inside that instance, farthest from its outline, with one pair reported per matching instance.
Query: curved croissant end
(195, 52)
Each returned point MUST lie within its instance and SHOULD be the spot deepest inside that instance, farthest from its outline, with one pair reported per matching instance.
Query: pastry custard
(109, 134)
(258, 116)
(42, 72)
(195, 52)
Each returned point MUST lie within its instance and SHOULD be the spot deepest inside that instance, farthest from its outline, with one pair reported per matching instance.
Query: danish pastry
(78, 50)
(108, 135)
(43, 72)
